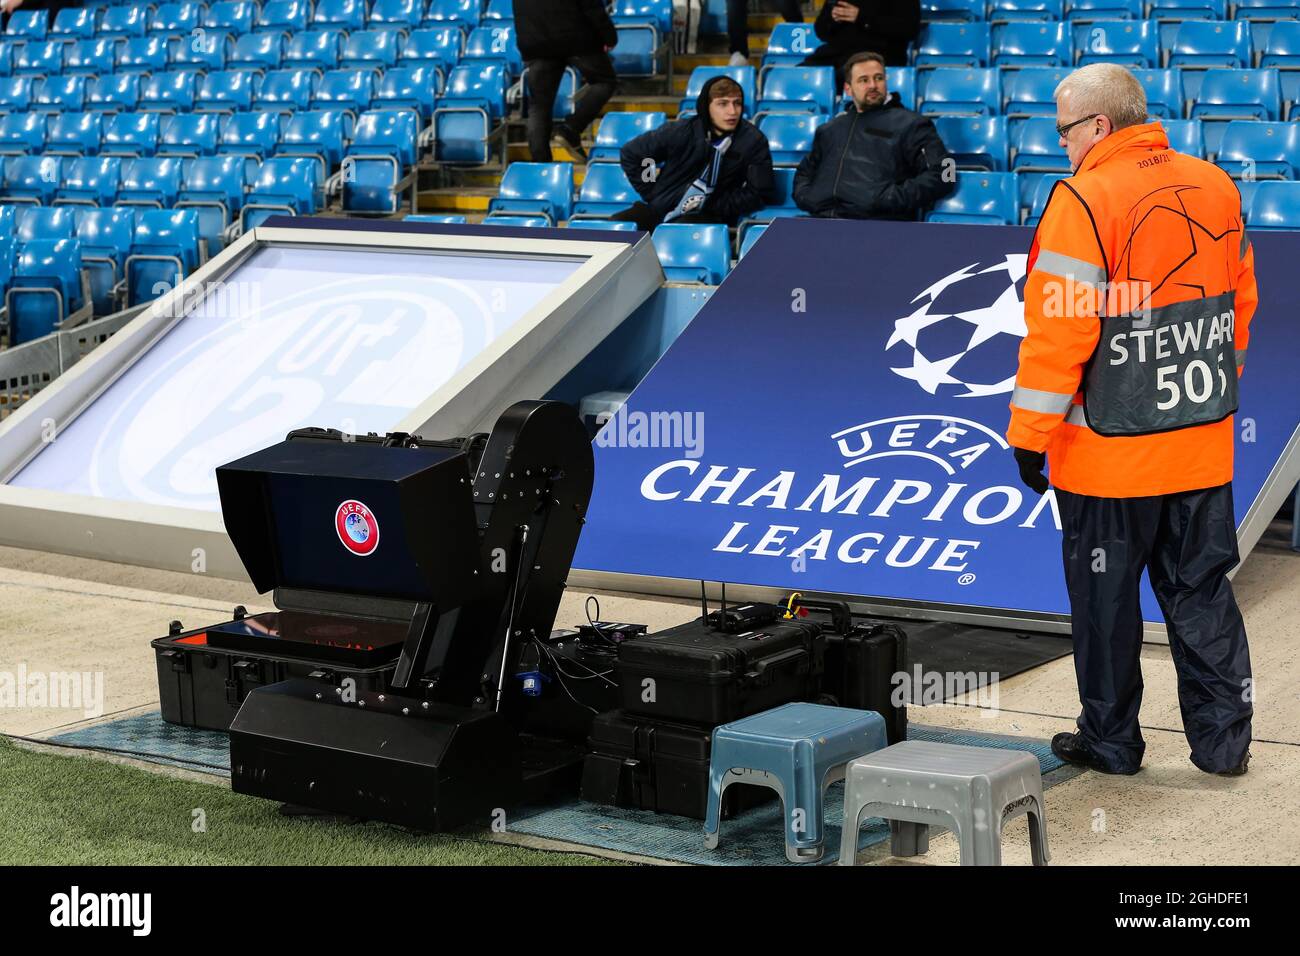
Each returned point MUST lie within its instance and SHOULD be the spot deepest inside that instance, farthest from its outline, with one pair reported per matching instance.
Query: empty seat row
(968, 11)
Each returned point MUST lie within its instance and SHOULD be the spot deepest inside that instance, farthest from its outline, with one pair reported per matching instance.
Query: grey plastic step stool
(973, 791)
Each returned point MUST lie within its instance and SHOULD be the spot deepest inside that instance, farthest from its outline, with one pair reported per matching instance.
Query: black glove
(1031, 465)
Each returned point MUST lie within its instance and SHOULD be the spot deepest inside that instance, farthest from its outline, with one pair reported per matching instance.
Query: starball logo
(951, 498)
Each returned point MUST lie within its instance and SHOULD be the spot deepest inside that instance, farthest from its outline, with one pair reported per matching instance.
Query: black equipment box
(860, 669)
(695, 674)
(656, 765)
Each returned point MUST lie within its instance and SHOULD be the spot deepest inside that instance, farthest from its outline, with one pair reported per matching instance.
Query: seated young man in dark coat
(876, 160)
(713, 167)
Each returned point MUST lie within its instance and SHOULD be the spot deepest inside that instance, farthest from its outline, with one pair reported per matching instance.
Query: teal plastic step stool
(798, 750)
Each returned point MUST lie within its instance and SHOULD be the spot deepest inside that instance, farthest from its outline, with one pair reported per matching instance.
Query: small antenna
(704, 604)
(722, 612)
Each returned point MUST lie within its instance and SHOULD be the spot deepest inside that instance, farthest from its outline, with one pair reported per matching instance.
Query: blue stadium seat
(176, 19)
(693, 252)
(226, 91)
(980, 198)
(213, 186)
(975, 142)
(286, 91)
(518, 222)
(952, 44)
(1131, 43)
(902, 82)
(164, 249)
(959, 11)
(46, 289)
(350, 90)
(1187, 9)
(958, 91)
(320, 134)
(169, 92)
(251, 135)
(465, 12)
(89, 57)
(744, 75)
(1186, 136)
(44, 222)
(22, 134)
(105, 237)
(454, 219)
(114, 93)
(616, 128)
(408, 88)
(287, 16)
(544, 189)
(16, 93)
(498, 10)
(1036, 147)
(90, 181)
(189, 134)
(1005, 11)
(61, 94)
(395, 14)
(790, 135)
(38, 58)
(1081, 11)
(1206, 43)
(1032, 44)
(605, 225)
(464, 119)
(1274, 206)
(440, 46)
(256, 51)
(751, 236)
(206, 53)
(131, 134)
(377, 167)
(1283, 48)
(154, 181)
(789, 45)
(345, 14)
(802, 89)
(1031, 91)
(73, 23)
(1264, 15)
(1164, 90)
(605, 191)
(73, 134)
(370, 48)
(1239, 94)
(31, 179)
(286, 185)
(1260, 150)
(28, 24)
(637, 50)
(314, 49)
(1034, 200)
(495, 44)
(230, 16)
(142, 55)
(123, 21)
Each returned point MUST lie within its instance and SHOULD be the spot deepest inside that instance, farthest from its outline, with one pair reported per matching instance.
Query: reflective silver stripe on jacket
(1075, 416)
(1036, 400)
(1068, 267)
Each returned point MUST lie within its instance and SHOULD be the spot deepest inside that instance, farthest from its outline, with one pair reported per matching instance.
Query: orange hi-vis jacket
(1138, 301)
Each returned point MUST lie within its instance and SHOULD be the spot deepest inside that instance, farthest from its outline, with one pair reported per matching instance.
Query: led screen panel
(293, 336)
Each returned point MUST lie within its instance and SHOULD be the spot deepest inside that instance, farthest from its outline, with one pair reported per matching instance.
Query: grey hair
(1107, 89)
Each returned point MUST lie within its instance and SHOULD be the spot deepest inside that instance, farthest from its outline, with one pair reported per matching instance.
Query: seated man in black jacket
(716, 165)
(846, 27)
(877, 160)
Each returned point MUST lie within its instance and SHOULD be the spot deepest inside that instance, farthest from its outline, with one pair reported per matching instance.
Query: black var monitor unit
(456, 552)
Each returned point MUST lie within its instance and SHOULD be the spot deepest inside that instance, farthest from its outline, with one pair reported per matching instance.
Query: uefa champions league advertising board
(833, 421)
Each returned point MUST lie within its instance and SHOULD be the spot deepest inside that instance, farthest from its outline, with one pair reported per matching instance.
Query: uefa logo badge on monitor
(357, 528)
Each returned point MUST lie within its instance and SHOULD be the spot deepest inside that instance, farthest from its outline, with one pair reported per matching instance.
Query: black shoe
(565, 138)
(1238, 770)
(1073, 749)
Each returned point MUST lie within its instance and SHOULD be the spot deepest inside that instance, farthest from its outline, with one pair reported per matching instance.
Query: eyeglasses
(1063, 131)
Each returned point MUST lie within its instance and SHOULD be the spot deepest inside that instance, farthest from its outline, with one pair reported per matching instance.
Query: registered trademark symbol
(966, 578)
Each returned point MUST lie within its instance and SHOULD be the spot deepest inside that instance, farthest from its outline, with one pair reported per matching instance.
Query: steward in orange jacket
(1138, 302)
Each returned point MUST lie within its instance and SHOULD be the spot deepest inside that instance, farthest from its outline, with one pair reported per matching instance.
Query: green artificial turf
(60, 809)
